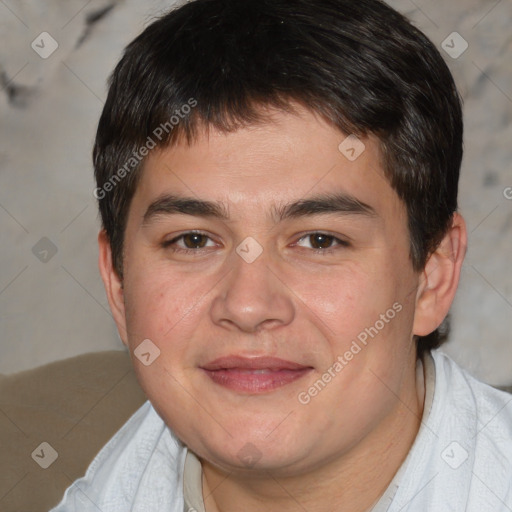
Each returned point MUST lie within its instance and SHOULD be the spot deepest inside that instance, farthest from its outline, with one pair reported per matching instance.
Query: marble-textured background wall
(52, 302)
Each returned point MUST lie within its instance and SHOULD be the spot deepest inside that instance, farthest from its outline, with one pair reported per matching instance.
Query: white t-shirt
(461, 459)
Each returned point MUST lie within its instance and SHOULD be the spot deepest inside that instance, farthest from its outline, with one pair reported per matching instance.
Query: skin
(341, 450)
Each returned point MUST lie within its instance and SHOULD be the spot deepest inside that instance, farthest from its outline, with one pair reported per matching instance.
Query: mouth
(254, 375)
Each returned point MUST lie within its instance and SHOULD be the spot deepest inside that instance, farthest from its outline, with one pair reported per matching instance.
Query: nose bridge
(251, 295)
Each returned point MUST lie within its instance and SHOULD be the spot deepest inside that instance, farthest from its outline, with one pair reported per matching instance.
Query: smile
(255, 381)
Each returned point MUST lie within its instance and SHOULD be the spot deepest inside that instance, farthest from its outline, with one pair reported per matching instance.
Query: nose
(252, 297)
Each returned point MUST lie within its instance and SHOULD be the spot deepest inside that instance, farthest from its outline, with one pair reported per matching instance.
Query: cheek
(165, 309)
(161, 305)
(345, 300)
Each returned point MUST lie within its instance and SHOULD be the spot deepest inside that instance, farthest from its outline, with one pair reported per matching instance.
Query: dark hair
(361, 65)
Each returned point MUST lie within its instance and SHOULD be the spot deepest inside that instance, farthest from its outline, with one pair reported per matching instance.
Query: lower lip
(252, 382)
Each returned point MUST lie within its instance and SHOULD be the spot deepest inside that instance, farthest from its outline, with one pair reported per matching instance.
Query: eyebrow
(339, 203)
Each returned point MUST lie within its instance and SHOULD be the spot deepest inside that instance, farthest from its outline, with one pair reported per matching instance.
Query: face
(284, 332)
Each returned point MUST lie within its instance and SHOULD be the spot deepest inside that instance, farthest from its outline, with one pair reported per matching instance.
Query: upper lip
(252, 363)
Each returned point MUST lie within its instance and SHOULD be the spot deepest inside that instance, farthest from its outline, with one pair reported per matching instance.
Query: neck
(352, 482)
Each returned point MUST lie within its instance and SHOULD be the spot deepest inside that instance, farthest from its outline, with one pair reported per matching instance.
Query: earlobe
(440, 278)
(113, 285)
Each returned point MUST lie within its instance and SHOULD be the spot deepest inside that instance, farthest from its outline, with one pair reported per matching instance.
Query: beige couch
(75, 405)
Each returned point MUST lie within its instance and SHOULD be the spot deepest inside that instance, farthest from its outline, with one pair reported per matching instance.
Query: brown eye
(194, 240)
(190, 242)
(322, 242)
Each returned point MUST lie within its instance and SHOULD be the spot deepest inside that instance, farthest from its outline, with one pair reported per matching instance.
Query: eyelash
(169, 243)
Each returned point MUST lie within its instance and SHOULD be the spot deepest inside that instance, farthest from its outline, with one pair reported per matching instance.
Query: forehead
(265, 166)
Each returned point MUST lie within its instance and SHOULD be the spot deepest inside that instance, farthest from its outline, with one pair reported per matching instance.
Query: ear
(113, 285)
(440, 278)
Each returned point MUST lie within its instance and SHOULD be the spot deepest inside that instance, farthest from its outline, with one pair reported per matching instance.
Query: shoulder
(485, 412)
(142, 450)
(134, 440)
(491, 407)
(462, 456)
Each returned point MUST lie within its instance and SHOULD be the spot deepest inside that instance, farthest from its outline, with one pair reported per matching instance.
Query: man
(277, 182)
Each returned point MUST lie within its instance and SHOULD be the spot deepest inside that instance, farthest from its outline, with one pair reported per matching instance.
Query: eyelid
(338, 236)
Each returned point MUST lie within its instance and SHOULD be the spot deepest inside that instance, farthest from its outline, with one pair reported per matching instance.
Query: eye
(322, 242)
(190, 242)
